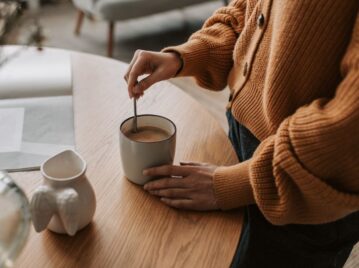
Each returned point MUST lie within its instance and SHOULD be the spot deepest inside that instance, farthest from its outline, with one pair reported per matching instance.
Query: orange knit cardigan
(293, 69)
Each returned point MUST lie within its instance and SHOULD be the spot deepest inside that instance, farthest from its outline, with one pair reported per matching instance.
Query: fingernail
(145, 172)
(145, 187)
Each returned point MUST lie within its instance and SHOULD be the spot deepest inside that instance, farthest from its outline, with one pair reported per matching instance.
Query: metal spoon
(134, 127)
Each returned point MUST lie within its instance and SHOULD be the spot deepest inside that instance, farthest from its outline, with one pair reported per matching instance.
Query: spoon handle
(135, 117)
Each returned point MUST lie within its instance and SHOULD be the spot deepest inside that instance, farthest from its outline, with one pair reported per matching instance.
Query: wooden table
(130, 227)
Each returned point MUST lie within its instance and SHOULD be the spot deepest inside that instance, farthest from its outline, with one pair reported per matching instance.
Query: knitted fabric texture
(293, 71)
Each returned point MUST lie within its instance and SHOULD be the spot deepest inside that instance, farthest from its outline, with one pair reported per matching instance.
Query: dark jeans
(265, 245)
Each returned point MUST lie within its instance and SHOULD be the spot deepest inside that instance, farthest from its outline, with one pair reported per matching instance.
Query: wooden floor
(152, 33)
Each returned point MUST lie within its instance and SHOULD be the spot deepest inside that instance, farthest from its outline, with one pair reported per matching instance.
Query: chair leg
(80, 18)
(111, 28)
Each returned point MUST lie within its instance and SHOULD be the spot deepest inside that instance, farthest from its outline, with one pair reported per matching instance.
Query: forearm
(207, 55)
(308, 171)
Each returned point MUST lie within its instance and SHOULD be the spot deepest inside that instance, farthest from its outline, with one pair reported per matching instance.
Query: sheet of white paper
(44, 148)
(11, 126)
(48, 128)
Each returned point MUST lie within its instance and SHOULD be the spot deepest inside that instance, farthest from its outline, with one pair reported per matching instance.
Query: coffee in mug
(147, 134)
(152, 145)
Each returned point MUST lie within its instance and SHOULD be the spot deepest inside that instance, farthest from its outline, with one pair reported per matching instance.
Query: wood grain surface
(130, 227)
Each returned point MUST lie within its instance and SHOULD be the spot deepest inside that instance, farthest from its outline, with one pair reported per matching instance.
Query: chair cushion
(115, 10)
(88, 6)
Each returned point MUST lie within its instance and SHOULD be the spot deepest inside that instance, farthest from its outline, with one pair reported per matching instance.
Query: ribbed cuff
(232, 187)
(194, 55)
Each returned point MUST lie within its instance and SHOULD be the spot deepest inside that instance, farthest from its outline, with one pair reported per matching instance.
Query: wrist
(178, 61)
(232, 186)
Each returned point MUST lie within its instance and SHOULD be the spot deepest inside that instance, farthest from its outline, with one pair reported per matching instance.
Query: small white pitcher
(65, 202)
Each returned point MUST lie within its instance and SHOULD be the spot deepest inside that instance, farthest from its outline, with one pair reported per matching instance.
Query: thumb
(145, 83)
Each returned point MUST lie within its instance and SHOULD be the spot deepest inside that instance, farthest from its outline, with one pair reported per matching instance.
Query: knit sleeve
(308, 172)
(208, 54)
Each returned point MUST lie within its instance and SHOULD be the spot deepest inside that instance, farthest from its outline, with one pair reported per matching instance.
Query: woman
(293, 71)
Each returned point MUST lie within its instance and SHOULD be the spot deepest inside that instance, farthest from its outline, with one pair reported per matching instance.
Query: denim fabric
(265, 245)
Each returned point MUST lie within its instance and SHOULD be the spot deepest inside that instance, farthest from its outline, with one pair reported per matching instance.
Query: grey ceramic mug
(137, 156)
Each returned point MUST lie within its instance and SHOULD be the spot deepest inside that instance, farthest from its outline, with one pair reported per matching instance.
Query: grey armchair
(117, 10)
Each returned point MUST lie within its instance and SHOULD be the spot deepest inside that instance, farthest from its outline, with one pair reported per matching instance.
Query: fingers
(178, 203)
(168, 170)
(173, 193)
(145, 83)
(158, 65)
(142, 63)
(137, 67)
(131, 65)
(165, 184)
(194, 192)
(189, 163)
(135, 56)
(136, 71)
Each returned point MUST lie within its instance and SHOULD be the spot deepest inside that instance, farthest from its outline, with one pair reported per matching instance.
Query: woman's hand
(159, 65)
(189, 186)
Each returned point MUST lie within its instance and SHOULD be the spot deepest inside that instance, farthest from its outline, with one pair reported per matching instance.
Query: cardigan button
(245, 69)
(260, 20)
